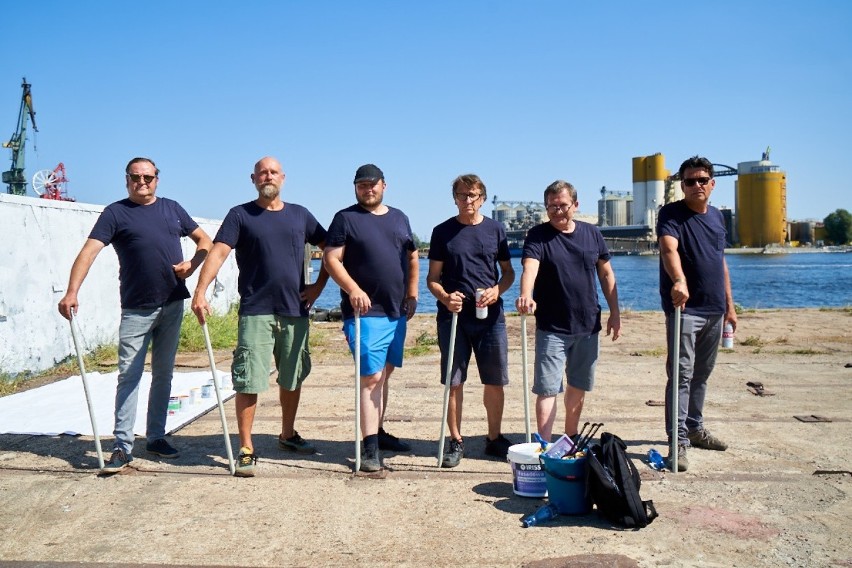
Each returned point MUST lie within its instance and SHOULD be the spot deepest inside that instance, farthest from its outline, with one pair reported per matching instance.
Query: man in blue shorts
(464, 253)
(694, 276)
(561, 258)
(371, 255)
(145, 231)
(269, 237)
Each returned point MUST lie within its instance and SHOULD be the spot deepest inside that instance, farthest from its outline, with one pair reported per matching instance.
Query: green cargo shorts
(260, 339)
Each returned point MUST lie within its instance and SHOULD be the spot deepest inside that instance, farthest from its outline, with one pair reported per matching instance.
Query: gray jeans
(159, 327)
(699, 343)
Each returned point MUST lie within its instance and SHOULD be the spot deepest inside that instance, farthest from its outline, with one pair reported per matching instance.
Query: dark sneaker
(706, 440)
(682, 462)
(245, 463)
(370, 461)
(499, 447)
(296, 443)
(453, 454)
(390, 443)
(117, 462)
(162, 448)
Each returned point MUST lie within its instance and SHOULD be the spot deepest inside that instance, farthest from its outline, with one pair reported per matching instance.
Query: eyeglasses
(468, 196)
(559, 208)
(690, 182)
(139, 177)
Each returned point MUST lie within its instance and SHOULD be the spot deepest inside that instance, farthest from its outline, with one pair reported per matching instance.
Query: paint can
(194, 395)
(207, 390)
(174, 405)
(527, 474)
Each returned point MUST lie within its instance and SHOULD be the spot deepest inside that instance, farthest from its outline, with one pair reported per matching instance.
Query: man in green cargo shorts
(269, 238)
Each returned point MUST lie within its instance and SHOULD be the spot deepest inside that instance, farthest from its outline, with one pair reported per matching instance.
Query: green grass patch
(805, 351)
(221, 327)
(422, 345)
(103, 358)
(656, 352)
(753, 341)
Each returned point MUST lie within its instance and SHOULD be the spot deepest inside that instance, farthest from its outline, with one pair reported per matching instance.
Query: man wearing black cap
(370, 253)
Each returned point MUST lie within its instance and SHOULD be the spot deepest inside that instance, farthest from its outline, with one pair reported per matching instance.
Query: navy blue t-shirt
(376, 256)
(469, 254)
(270, 252)
(701, 246)
(565, 290)
(146, 239)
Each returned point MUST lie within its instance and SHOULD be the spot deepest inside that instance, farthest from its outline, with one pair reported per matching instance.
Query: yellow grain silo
(761, 198)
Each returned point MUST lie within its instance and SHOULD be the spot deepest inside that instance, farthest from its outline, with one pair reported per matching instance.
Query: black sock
(371, 442)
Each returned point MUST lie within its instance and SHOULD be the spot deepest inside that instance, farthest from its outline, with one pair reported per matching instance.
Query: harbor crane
(14, 178)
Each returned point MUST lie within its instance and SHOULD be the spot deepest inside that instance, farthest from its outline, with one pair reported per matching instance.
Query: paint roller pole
(231, 467)
(675, 403)
(72, 321)
(525, 374)
(357, 392)
(448, 376)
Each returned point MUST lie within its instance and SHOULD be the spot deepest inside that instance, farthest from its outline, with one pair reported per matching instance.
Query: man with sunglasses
(694, 277)
(464, 254)
(561, 259)
(145, 231)
(372, 257)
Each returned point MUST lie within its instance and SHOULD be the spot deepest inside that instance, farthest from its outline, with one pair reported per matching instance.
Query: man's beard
(269, 190)
(373, 201)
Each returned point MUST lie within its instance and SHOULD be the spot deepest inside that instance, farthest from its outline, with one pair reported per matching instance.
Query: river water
(801, 280)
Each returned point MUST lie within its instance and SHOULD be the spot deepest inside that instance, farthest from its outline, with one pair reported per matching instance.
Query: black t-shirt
(270, 252)
(469, 254)
(701, 246)
(565, 291)
(146, 239)
(376, 256)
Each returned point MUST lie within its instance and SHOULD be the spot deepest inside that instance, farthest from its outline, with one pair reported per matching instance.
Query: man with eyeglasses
(269, 238)
(560, 261)
(371, 255)
(694, 277)
(464, 254)
(145, 231)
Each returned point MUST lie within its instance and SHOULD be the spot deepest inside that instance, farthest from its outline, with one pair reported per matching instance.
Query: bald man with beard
(269, 237)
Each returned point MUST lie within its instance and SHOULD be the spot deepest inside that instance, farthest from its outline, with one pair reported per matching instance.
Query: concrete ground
(779, 496)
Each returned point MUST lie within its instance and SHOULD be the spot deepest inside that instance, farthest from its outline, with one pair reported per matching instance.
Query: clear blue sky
(520, 93)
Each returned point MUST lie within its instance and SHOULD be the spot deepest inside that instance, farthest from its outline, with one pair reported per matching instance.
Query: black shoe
(453, 454)
(117, 462)
(498, 447)
(162, 448)
(390, 443)
(296, 443)
(370, 460)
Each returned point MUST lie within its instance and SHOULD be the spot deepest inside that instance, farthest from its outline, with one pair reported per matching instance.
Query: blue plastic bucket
(566, 484)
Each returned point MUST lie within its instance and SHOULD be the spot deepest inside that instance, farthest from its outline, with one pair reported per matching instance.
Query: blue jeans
(159, 327)
(699, 343)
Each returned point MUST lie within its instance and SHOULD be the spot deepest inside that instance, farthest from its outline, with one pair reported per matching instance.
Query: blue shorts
(382, 341)
(573, 355)
(487, 342)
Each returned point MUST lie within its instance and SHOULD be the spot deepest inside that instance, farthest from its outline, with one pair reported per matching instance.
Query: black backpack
(612, 483)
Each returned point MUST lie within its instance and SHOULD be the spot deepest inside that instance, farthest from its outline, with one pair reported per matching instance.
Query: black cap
(368, 172)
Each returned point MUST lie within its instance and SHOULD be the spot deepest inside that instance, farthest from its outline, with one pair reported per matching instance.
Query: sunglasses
(468, 196)
(139, 177)
(690, 182)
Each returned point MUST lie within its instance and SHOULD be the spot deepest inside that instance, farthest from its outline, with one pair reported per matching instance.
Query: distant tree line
(838, 227)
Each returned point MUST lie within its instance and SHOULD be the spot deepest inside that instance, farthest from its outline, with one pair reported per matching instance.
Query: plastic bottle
(543, 514)
(655, 459)
(728, 336)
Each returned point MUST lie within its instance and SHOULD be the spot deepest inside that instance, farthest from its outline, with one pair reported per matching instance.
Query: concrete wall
(39, 240)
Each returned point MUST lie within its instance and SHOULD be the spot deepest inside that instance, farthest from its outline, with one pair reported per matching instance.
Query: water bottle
(728, 336)
(542, 515)
(656, 460)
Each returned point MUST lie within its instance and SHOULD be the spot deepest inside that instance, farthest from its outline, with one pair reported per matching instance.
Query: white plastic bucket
(528, 479)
